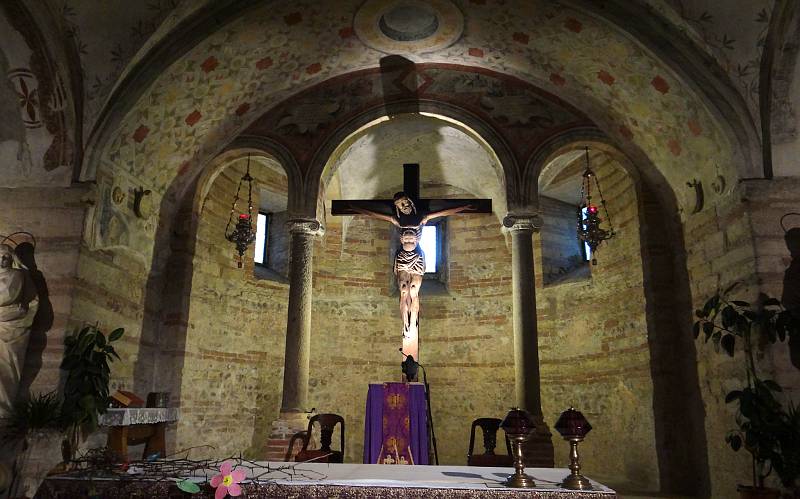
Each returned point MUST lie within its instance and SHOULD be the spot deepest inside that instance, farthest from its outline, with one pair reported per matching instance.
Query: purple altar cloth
(374, 427)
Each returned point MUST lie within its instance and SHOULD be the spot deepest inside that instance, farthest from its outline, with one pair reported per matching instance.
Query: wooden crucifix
(410, 213)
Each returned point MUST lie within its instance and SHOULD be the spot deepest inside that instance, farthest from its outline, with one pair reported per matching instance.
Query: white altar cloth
(447, 477)
(138, 415)
(344, 481)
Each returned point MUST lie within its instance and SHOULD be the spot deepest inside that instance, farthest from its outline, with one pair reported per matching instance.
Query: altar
(356, 481)
(396, 424)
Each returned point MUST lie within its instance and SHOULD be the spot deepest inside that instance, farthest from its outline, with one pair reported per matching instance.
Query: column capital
(530, 222)
(306, 226)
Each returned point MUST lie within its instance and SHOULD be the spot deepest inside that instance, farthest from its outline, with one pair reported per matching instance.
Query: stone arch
(484, 131)
(169, 282)
(667, 43)
(677, 401)
(701, 70)
(699, 136)
(778, 68)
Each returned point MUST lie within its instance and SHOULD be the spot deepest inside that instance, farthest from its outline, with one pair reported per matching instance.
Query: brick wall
(593, 332)
(767, 201)
(466, 336)
(232, 371)
(593, 343)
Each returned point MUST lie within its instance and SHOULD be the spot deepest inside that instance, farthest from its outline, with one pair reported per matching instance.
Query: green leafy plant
(39, 412)
(769, 431)
(87, 355)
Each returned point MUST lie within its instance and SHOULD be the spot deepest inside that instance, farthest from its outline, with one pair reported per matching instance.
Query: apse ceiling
(561, 178)
(370, 165)
(124, 47)
(198, 74)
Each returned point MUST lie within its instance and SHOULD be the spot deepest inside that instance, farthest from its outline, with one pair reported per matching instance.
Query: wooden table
(133, 426)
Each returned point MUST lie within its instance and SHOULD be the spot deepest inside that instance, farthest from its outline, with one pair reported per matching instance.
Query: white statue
(18, 305)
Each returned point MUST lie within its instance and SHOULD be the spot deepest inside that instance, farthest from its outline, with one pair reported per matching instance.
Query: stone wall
(720, 251)
(593, 344)
(767, 201)
(594, 353)
(232, 371)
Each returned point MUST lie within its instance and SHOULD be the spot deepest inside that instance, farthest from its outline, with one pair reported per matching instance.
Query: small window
(586, 250)
(433, 244)
(261, 254)
(429, 245)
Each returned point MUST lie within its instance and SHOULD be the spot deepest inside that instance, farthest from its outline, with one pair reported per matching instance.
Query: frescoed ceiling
(732, 31)
(171, 111)
(107, 35)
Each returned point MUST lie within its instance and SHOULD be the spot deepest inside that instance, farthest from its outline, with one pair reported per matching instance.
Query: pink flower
(227, 482)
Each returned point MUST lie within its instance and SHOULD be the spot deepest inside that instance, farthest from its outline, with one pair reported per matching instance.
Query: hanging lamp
(590, 231)
(242, 234)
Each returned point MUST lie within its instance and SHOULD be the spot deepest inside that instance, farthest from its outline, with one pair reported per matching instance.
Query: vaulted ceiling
(150, 92)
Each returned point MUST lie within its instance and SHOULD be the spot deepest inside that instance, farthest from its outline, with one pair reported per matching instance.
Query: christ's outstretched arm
(375, 214)
(445, 213)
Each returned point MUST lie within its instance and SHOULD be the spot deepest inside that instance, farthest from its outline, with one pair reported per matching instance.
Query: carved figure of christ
(410, 213)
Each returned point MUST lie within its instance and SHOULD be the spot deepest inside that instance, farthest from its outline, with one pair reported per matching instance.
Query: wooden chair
(489, 426)
(327, 423)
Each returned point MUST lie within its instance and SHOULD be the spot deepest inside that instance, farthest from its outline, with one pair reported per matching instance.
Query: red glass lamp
(589, 223)
(519, 427)
(242, 234)
(574, 427)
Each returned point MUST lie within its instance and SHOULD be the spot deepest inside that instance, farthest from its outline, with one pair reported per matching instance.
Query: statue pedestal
(287, 424)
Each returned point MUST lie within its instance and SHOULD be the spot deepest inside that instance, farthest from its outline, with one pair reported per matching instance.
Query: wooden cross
(426, 209)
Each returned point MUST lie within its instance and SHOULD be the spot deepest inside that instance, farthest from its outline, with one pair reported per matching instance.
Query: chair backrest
(327, 423)
(489, 427)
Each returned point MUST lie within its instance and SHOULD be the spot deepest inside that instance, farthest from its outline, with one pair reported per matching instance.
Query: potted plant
(87, 355)
(33, 430)
(767, 429)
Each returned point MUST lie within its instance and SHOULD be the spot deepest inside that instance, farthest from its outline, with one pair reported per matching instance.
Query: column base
(283, 428)
(538, 450)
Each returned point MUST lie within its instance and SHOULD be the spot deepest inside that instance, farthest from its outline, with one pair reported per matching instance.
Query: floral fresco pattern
(196, 107)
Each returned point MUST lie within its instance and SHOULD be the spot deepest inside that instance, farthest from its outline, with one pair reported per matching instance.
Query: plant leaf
(735, 442)
(734, 395)
(729, 316)
(708, 328)
(727, 343)
(771, 302)
(188, 486)
(696, 329)
(730, 288)
(116, 334)
(775, 387)
(740, 303)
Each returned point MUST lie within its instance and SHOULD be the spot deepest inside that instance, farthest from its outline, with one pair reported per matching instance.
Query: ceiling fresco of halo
(213, 93)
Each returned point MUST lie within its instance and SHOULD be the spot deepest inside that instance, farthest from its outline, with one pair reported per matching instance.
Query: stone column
(298, 324)
(294, 403)
(539, 450)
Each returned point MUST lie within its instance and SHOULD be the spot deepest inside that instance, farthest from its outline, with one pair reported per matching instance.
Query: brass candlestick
(519, 427)
(574, 427)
